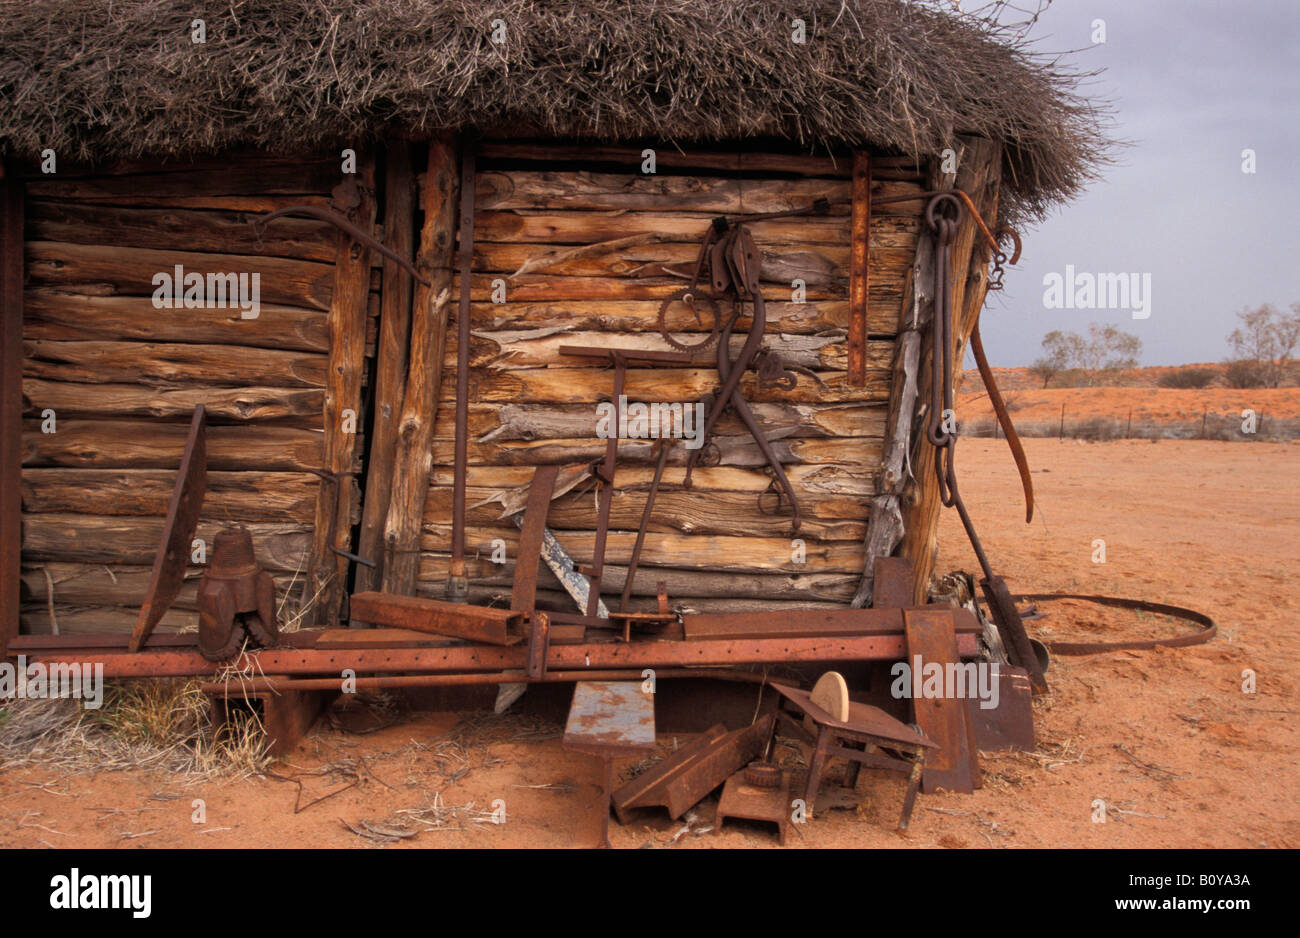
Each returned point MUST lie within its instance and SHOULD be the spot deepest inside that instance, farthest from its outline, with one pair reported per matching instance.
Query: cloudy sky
(1194, 83)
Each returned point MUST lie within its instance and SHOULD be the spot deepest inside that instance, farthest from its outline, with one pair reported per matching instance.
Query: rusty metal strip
(859, 268)
(945, 720)
(539, 642)
(11, 404)
(184, 662)
(1207, 631)
(808, 623)
(523, 593)
(1004, 419)
(457, 584)
(178, 531)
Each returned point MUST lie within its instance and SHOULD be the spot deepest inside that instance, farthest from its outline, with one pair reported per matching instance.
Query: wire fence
(1230, 427)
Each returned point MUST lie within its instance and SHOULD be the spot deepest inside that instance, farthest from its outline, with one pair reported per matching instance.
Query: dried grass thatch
(94, 79)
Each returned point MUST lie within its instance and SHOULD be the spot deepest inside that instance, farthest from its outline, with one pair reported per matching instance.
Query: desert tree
(1263, 345)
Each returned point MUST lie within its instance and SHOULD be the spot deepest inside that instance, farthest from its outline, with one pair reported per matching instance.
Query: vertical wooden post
(11, 400)
(978, 174)
(390, 380)
(414, 458)
(859, 268)
(326, 582)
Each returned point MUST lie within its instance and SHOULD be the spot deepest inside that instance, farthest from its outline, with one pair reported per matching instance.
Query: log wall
(530, 405)
(122, 377)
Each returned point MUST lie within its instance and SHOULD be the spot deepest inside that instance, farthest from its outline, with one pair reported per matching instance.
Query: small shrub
(1244, 374)
(1187, 378)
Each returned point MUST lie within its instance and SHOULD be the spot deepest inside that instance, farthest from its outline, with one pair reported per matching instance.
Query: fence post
(1061, 433)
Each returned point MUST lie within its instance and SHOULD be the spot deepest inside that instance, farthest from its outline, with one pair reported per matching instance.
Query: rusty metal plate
(1009, 725)
(945, 720)
(892, 584)
(610, 718)
(863, 719)
(457, 620)
(178, 532)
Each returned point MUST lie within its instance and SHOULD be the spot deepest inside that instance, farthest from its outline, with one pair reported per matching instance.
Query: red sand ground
(1214, 526)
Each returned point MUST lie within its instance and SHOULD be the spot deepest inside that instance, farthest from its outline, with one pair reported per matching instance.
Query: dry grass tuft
(148, 724)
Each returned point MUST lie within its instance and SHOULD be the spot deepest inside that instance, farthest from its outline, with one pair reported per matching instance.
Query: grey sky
(1194, 82)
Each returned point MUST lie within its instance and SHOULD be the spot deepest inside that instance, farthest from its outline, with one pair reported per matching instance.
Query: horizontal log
(97, 362)
(553, 227)
(131, 271)
(83, 584)
(822, 267)
(294, 406)
(681, 551)
(513, 349)
(230, 496)
(53, 314)
(678, 510)
(145, 444)
(522, 189)
(666, 157)
(819, 587)
(101, 620)
(736, 451)
(589, 385)
(166, 228)
(239, 176)
(549, 600)
(813, 479)
(95, 539)
(779, 420)
(626, 316)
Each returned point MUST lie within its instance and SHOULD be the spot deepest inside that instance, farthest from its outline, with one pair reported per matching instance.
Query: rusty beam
(694, 771)
(185, 662)
(456, 620)
(809, 623)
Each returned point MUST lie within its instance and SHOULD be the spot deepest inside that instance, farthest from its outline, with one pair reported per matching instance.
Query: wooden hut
(141, 143)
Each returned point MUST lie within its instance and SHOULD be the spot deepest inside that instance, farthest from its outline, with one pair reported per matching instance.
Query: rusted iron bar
(11, 402)
(340, 222)
(186, 662)
(523, 591)
(173, 554)
(457, 583)
(457, 620)
(859, 267)
(275, 684)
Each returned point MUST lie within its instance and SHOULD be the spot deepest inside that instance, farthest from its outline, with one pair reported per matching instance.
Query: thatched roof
(95, 79)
